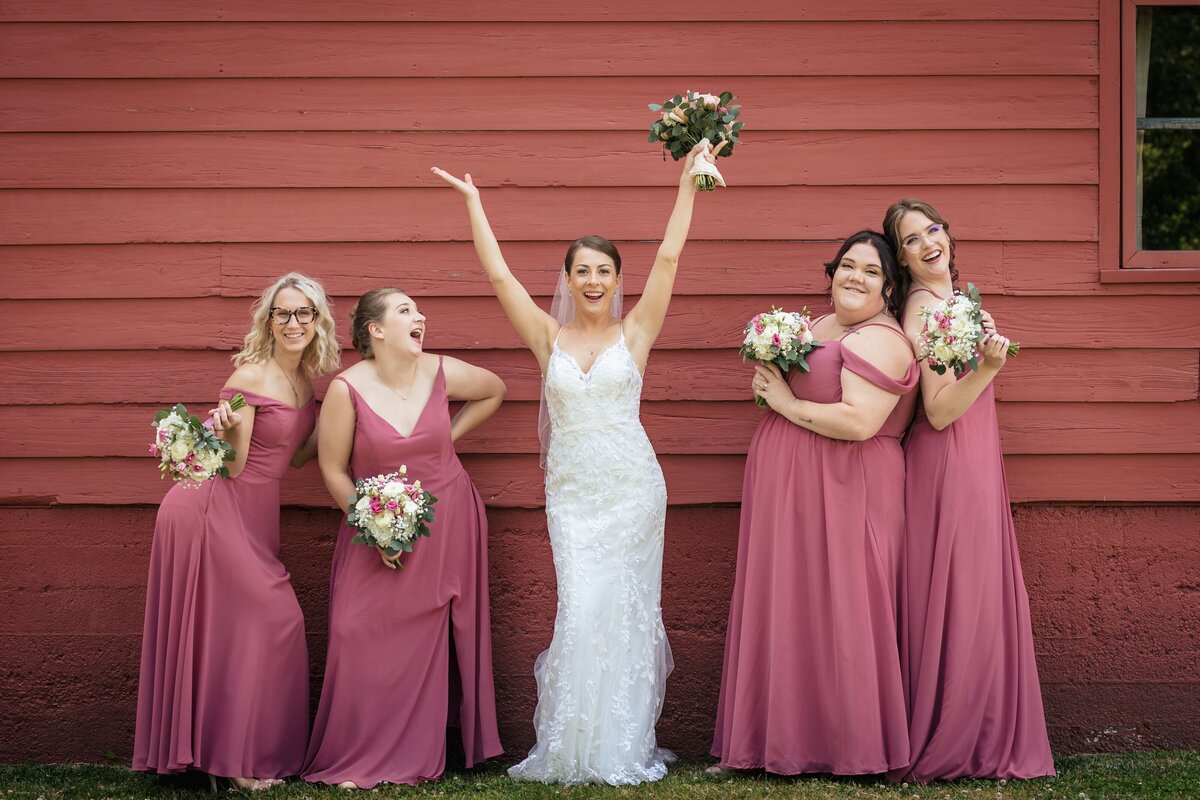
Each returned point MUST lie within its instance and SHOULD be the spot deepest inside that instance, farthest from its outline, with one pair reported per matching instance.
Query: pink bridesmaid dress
(811, 679)
(975, 704)
(390, 682)
(223, 686)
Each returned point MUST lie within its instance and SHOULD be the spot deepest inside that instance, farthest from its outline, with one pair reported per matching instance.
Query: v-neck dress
(391, 686)
(602, 680)
(223, 686)
(967, 654)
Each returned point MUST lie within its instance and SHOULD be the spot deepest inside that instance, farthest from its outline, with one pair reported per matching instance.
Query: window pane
(1168, 144)
(1173, 82)
(1170, 189)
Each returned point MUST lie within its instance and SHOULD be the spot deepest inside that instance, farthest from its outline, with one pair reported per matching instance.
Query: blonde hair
(322, 356)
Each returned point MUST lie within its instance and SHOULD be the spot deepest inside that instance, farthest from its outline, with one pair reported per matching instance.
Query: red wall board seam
(375, 104)
(492, 49)
(193, 376)
(516, 480)
(532, 10)
(338, 159)
(95, 216)
(693, 322)
(674, 427)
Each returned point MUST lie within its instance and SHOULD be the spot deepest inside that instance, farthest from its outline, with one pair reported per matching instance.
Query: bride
(601, 682)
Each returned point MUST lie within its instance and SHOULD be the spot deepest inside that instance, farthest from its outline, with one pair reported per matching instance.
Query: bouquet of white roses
(188, 450)
(778, 337)
(951, 332)
(685, 120)
(390, 512)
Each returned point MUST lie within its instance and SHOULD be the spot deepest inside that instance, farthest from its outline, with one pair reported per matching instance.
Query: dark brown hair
(371, 307)
(592, 242)
(891, 226)
(895, 277)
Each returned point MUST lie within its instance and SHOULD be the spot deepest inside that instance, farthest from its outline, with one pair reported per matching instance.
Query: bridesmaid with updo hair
(409, 649)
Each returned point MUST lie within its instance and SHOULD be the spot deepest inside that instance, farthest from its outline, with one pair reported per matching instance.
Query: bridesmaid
(391, 682)
(975, 706)
(811, 680)
(223, 686)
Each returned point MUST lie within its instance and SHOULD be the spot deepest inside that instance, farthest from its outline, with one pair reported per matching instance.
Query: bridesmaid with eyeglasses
(966, 642)
(223, 686)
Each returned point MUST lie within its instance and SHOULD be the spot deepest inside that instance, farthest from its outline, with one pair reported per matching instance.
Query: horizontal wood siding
(163, 160)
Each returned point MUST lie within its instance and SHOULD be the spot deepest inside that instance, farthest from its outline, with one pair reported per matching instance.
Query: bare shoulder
(355, 375)
(251, 377)
(885, 346)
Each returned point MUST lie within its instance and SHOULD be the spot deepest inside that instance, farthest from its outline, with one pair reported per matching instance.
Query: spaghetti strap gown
(967, 643)
(602, 680)
(387, 697)
(811, 679)
(223, 685)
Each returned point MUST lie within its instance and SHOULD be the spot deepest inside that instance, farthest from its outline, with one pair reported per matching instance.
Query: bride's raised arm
(644, 321)
(535, 327)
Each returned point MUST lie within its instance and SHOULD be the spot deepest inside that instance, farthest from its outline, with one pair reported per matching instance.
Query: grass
(1159, 775)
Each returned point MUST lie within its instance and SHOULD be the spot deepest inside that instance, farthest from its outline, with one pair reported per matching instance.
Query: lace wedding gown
(601, 682)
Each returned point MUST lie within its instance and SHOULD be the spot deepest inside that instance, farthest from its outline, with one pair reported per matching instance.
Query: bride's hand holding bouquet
(691, 119)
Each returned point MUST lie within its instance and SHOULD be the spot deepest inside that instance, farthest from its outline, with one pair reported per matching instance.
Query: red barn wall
(163, 161)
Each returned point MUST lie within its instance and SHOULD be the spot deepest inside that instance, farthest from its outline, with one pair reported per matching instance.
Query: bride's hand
(704, 151)
(465, 186)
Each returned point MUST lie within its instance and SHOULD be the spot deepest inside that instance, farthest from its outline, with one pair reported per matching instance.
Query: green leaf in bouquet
(973, 363)
(973, 293)
(656, 107)
(676, 101)
(737, 126)
(726, 97)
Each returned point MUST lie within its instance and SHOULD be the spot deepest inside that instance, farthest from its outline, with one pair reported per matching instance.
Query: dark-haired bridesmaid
(391, 686)
(975, 705)
(223, 686)
(811, 680)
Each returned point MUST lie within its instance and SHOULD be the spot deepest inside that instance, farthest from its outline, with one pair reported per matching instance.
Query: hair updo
(593, 242)
(371, 307)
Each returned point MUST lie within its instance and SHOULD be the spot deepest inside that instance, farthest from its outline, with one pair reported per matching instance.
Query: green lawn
(1173, 775)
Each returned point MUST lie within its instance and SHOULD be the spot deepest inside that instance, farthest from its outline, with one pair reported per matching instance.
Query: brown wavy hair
(891, 227)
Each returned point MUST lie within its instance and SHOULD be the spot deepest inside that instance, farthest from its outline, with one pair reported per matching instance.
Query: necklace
(291, 383)
(591, 346)
(411, 381)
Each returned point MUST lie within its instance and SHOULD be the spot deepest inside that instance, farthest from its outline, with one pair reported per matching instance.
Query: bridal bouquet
(188, 450)
(390, 512)
(951, 332)
(685, 120)
(778, 337)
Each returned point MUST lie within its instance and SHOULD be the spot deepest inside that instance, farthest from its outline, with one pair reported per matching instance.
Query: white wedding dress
(602, 681)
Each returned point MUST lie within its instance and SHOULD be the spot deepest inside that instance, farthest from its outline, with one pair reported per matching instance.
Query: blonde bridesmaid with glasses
(223, 686)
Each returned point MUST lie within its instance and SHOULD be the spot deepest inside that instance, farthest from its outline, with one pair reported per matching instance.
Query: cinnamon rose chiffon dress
(391, 685)
(967, 643)
(811, 680)
(223, 685)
